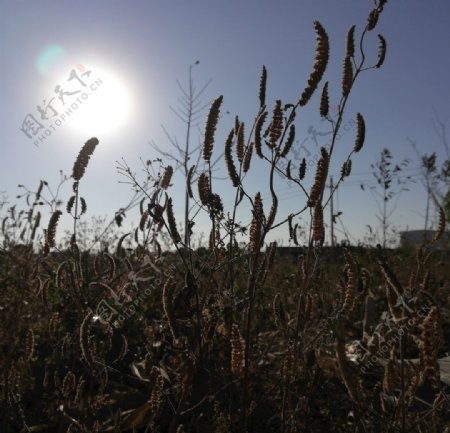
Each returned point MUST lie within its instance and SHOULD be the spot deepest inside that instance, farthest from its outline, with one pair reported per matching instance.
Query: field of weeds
(140, 337)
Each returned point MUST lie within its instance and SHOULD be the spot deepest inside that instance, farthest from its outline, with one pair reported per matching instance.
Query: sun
(102, 105)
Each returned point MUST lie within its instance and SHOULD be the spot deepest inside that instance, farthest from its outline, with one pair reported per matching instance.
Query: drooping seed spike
(189, 182)
(302, 169)
(232, 172)
(324, 101)
(372, 20)
(360, 132)
(258, 128)
(172, 223)
(322, 56)
(381, 51)
(289, 141)
(83, 206)
(70, 204)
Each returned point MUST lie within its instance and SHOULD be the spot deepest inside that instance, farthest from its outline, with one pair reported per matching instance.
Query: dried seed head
(324, 101)
(430, 342)
(79, 392)
(232, 172)
(372, 20)
(156, 395)
(350, 287)
(318, 234)
(441, 225)
(172, 223)
(237, 351)
(262, 87)
(322, 55)
(166, 177)
(51, 230)
(29, 345)
(247, 158)
(347, 77)
(256, 224)
(360, 133)
(302, 169)
(167, 306)
(83, 206)
(389, 376)
(37, 221)
(346, 168)
(144, 218)
(258, 128)
(320, 178)
(211, 124)
(276, 126)
(203, 189)
(344, 371)
(189, 181)
(288, 170)
(240, 142)
(350, 43)
(83, 158)
(123, 349)
(278, 311)
(289, 141)
(288, 363)
(70, 204)
(381, 51)
(68, 384)
(84, 339)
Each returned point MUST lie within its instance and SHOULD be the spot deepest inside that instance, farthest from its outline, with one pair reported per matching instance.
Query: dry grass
(224, 338)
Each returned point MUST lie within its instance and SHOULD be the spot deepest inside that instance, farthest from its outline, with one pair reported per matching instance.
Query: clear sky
(140, 49)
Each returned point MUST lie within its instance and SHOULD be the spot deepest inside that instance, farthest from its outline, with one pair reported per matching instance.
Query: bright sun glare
(104, 104)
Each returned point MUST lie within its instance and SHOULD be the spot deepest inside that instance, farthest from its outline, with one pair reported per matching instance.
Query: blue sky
(148, 45)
